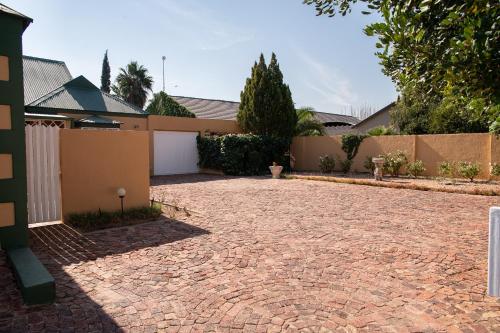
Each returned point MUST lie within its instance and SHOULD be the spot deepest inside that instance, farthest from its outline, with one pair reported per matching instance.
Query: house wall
(182, 124)
(382, 118)
(95, 163)
(431, 149)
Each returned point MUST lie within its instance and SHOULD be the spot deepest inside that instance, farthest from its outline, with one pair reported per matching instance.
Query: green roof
(80, 94)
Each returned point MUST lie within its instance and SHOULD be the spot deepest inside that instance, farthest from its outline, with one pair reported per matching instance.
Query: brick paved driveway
(261, 255)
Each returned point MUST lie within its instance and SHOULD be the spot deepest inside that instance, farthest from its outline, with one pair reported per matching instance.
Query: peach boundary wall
(95, 163)
(431, 149)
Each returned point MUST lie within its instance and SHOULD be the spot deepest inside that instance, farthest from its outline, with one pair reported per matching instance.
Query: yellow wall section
(7, 214)
(4, 68)
(5, 121)
(95, 163)
(5, 166)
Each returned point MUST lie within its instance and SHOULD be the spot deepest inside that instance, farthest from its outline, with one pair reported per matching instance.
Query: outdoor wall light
(121, 193)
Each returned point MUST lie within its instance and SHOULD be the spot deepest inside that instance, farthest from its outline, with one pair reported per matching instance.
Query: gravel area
(263, 255)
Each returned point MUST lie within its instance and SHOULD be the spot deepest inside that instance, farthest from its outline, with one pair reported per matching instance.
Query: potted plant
(276, 170)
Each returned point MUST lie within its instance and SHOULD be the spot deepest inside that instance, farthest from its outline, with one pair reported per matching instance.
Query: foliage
(133, 83)
(242, 154)
(266, 106)
(106, 74)
(164, 105)
(444, 48)
(351, 143)
(469, 170)
(381, 130)
(447, 169)
(412, 111)
(345, 165)
(495, 169)
(101, 220)
(393, 162)
(495, 126)
(369, 165)
(326, 164)
(416, 168)
(307, 125)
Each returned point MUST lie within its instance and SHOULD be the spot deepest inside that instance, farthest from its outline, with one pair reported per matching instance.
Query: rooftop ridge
(44, 59)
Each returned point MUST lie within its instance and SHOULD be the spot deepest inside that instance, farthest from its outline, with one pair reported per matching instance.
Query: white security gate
(175, 153)
(42, 163)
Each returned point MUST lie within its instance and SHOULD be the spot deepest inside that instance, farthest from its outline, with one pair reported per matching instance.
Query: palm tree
(133, 84)
(307, 125)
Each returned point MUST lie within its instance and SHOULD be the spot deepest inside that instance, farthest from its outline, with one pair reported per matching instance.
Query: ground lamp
(121, 193)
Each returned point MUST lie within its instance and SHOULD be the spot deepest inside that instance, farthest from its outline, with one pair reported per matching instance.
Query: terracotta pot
(276, 171)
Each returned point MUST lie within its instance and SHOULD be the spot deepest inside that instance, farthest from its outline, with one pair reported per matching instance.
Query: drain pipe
(494, 253)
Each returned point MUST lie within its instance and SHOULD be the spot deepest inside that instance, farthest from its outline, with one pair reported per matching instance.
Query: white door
(42, 166)
(175, 153)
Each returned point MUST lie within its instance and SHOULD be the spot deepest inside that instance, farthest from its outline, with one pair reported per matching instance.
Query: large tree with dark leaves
(133, 84)
(164, 105)
(266, 106)
(447, 49)
(106, 74)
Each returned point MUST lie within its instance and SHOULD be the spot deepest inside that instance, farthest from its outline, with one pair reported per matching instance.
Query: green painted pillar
(13, 201)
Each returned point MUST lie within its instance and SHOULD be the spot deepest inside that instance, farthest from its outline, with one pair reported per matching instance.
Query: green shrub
(369, 165)
(242, 154)
(381, 130)
(326, 164)
(469, 170)
(351, 143)
(393, 162)
(101, 220)
(416, 168)
(447, 169)
(495, 169)
(345, 165)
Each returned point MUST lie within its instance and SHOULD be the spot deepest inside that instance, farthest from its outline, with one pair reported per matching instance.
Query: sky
(211, 45)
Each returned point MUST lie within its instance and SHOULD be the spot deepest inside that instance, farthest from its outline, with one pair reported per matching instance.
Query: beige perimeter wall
(431, 149)
(95, 163)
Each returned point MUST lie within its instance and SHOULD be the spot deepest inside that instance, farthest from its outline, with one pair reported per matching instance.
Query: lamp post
(121, 194)
(163, 58)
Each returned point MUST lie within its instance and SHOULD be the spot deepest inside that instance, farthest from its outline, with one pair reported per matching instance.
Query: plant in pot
(276, 170)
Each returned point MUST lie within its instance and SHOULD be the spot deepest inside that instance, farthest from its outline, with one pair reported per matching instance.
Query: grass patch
(91, 221)
(369, 182)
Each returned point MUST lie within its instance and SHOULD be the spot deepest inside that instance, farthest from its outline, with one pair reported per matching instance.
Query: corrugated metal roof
(219, 109)
(42, 76)
(9, 11)
(80, 94)
(209, 108)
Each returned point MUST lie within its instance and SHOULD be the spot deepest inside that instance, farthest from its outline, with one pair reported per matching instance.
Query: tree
(444, 48)
(164, 105)
(266, 106)
(307, 125)
(106, 74)
(133, 84)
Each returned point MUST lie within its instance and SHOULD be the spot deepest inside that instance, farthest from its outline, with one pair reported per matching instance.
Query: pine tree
(106, 74)
(266, 106)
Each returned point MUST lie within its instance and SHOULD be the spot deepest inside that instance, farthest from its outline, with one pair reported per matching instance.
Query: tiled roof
(80, 94)
(219, 109)
(41, 76)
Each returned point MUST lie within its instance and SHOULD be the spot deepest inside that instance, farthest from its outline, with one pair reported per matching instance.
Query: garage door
(175, 153)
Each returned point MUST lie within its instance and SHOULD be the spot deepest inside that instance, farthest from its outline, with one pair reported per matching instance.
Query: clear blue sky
(211, 45)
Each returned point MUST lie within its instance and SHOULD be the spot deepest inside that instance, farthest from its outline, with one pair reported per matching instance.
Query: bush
(345, 165)
(416, 168)
(393, 162)
(326, 164)
(242, 154)
(101, 220)
(469, 170)
(351, 143)
(447, 169)
(381, 130)
(495, 170)
(369, 165)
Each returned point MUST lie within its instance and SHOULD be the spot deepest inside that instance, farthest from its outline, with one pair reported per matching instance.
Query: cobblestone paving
(262, 255)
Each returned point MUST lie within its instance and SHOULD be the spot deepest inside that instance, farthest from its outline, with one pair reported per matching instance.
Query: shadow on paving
(59, 246)
(198, 178)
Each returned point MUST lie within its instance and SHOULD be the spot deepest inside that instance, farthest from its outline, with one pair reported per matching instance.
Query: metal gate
(42, 164)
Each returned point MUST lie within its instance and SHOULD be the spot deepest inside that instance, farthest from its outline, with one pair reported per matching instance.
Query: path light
(121, 193)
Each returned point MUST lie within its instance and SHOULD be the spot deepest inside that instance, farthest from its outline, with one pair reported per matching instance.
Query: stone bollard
(494, 253)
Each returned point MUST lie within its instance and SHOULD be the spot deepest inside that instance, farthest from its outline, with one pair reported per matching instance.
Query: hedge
(242, 154)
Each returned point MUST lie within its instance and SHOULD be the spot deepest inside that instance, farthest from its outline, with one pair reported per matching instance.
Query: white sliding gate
(42, 163)
(175, 153)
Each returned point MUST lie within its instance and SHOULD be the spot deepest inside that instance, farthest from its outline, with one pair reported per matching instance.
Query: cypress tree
(106, 74)
(266, 106)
